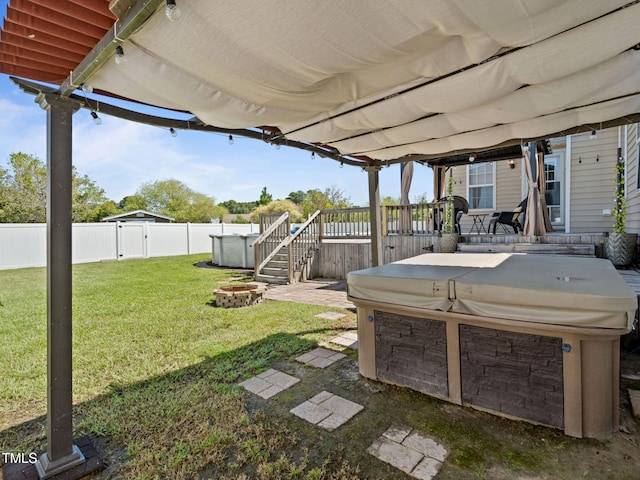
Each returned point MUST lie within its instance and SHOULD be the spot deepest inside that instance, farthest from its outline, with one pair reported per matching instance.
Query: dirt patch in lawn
(277, 444)
(480, 445)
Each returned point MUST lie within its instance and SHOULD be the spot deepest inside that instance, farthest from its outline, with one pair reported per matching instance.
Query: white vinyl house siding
(633, 190)
(507, 189)
(592, 181)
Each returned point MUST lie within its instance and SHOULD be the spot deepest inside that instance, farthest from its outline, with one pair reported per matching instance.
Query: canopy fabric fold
(384, 79)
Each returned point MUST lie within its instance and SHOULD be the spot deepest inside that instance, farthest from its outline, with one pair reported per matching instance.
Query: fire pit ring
(235, 296)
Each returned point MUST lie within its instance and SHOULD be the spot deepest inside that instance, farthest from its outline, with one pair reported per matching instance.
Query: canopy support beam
(61, 454)
(377, 257)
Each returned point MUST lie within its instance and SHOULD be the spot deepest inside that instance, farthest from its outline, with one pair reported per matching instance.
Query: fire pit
(235, 296)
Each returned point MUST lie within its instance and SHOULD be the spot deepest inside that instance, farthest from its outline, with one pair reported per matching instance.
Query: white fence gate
(25, 245)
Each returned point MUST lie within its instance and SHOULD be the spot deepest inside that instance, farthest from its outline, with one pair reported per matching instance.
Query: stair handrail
(296, 255)
(259, 265)
(262, 237)
(302, 227)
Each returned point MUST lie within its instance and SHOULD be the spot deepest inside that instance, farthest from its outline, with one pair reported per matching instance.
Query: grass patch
(155, 368)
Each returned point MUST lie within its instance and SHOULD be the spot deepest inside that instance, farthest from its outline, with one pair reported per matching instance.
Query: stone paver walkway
(410, 451)
(331, 293)
(320, 357)
(347, 339)
(402, 447)
(269, 383)
(327, 410)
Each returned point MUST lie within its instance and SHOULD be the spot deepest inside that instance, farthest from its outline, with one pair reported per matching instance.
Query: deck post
(377, 257)
(61, 453)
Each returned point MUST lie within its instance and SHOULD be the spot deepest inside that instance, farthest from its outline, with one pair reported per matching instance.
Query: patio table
(478, 223)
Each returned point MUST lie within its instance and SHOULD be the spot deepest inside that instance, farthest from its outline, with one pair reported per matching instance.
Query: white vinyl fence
(25, 245)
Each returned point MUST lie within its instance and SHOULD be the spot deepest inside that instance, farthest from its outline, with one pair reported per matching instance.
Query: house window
(481, 185)
(638, 168)
(554, 196)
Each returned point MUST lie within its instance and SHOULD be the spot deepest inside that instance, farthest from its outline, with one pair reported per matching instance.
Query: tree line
(23, 188)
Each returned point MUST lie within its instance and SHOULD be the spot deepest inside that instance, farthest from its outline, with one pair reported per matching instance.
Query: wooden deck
(632, 277)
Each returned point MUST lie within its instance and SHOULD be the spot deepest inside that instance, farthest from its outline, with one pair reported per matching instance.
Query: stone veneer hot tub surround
(235, 296)
(527, 337)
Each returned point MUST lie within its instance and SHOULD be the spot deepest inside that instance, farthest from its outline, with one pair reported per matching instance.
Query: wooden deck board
(632, 277)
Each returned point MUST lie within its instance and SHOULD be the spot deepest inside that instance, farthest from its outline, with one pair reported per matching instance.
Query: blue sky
(119, 156)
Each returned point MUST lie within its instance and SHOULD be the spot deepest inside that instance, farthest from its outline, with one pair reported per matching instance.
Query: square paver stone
(327, 410)
(282, 380)
(255, 385)
(269, 383)
(426, 469)
(332, 422)
(342, 406)
(322, 352)
(320, 362)
(320, 357)
(345, 342)
(395, 454)
(321, 397)
(410, 451)
(311, 412)
(350, 335)
(426, 446)
(269, 392)
(397, 433)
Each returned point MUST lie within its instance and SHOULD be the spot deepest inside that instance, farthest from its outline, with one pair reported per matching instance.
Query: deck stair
(283, 256)
(276, 271)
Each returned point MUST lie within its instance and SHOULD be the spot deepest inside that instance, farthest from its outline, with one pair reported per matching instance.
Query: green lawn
(155, 364)
(156, 369)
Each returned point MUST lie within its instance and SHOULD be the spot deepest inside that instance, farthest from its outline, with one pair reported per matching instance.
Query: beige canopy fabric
(405, 220)
(405, 183)
(558, 290)
(384, 79)
(439, 182)
(536, 220)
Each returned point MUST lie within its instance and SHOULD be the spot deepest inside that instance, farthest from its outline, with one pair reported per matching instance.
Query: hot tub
(233, 249)
(535, 338)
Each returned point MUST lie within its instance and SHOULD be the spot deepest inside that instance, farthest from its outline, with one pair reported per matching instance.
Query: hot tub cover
(416, 282)
(583, 292)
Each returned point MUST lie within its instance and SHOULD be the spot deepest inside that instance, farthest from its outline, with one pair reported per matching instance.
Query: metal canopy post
(61, 453)
(377, 257)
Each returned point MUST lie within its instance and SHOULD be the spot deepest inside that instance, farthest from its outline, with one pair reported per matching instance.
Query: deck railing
(302, 246)
(348, 223)
(345, 223)
(353, 223)
(416, 218)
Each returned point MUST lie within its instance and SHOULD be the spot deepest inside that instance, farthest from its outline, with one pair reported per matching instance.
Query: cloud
(119, 156)
(23, 129)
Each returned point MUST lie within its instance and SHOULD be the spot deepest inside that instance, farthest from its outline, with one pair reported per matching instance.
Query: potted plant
(620, 246)
(449, 237)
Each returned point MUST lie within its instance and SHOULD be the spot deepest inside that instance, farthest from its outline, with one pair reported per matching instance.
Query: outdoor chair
(460, 207)
(509, 219)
